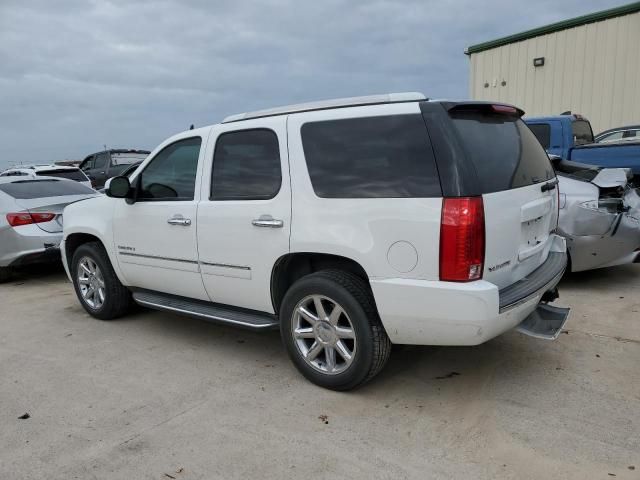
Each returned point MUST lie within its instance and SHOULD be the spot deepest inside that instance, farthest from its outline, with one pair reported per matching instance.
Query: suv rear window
(76, 175)
(23, 189)
(372, 157)
(503, 150)
(582, 133)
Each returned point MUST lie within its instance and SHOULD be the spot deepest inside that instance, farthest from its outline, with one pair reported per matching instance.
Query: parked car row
(57, 171)
(349, 225)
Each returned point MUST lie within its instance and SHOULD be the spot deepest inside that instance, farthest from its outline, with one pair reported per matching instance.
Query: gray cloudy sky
(78, 74)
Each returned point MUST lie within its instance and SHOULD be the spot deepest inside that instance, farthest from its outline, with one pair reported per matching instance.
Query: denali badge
(498, 267)
(124, 247)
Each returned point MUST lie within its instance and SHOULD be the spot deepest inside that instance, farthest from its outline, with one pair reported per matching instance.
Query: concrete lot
(160, 396)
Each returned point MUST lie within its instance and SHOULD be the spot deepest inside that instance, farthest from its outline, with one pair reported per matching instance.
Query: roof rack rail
(328, 104)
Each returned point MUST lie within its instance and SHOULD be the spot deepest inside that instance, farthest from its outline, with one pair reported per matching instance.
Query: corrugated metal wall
(592, 69)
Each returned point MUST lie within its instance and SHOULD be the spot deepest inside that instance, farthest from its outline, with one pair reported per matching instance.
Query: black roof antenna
(191, 127)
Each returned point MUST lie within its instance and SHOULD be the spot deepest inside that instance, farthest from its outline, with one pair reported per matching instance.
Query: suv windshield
(23, 189)
(503, 150)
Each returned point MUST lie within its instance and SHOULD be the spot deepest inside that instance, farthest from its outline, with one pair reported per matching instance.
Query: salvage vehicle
(103, 165)
(599, 215)
(571, 138)
(349, 224)
(58, 171)
(31, 219)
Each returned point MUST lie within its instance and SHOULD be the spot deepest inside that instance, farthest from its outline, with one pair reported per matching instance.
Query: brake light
(462, 239)
(26, 218)
(508, 109)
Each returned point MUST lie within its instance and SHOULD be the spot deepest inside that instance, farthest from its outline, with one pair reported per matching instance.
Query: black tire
(5, 274)
(354, 296)
(117, 297)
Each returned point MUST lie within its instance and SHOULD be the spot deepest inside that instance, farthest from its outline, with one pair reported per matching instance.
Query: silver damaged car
(31, 218)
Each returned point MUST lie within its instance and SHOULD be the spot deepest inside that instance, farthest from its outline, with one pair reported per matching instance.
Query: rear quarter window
(24, 189)
(503, 150)
(371, 157)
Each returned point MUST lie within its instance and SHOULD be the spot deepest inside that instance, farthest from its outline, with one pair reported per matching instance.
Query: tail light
(26, 218)
(462, 239)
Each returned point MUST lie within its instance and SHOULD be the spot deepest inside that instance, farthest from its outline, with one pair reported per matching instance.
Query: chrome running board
(212, 312)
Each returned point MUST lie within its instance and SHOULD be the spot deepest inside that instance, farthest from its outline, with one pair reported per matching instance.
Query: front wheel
(331, 329)
(97, 286)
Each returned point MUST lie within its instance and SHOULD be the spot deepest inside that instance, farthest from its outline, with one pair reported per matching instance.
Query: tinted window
(246, 166)
(372, 157)
(503, 150)
(102, 160)
(76, 175)
(582, 133)
(542, 131)
(171, 175)
(88, 163)
(43, 188)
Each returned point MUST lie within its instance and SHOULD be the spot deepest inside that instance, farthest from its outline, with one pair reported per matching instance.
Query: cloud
(77, 75)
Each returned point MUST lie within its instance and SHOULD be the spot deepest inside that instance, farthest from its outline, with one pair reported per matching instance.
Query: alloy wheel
(323, 334)
(91, 283)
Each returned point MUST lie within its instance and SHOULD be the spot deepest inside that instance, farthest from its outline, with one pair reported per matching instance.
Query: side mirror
(117, 187)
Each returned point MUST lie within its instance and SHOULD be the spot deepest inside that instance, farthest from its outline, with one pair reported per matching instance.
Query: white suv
(349, 225)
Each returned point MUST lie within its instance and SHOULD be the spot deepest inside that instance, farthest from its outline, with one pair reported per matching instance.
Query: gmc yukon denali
(349, 225)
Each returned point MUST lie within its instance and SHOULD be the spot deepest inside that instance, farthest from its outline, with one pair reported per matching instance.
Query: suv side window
(372, 157)
(246, 166)
(102, 160)
(87, 164)
(171, 174)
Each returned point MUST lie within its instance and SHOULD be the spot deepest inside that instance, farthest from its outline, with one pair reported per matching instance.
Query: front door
(155, 237)
(244, 217)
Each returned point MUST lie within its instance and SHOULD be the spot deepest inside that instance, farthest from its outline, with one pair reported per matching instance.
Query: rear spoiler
(484, 107)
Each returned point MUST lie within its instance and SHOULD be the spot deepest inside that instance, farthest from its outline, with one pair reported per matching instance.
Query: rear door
(507, 166)
(244, 218)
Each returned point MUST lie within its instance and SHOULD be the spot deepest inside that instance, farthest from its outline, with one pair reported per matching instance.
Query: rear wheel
(96, 284)
(330, 327)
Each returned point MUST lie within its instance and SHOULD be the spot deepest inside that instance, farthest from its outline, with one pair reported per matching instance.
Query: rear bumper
(28, 244)
(422, 312)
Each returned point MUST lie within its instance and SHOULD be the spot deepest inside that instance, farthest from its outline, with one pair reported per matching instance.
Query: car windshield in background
(24, 189)
(76, 175)
(582, 133)
(503, 150)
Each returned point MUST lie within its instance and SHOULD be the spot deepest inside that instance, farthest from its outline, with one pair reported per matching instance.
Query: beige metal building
(588, 65)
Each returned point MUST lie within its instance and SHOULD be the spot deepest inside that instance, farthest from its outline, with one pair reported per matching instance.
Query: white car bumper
(422, 312)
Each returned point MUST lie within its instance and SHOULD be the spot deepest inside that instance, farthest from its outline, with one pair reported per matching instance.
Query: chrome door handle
(179, 220)
(267, 221)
